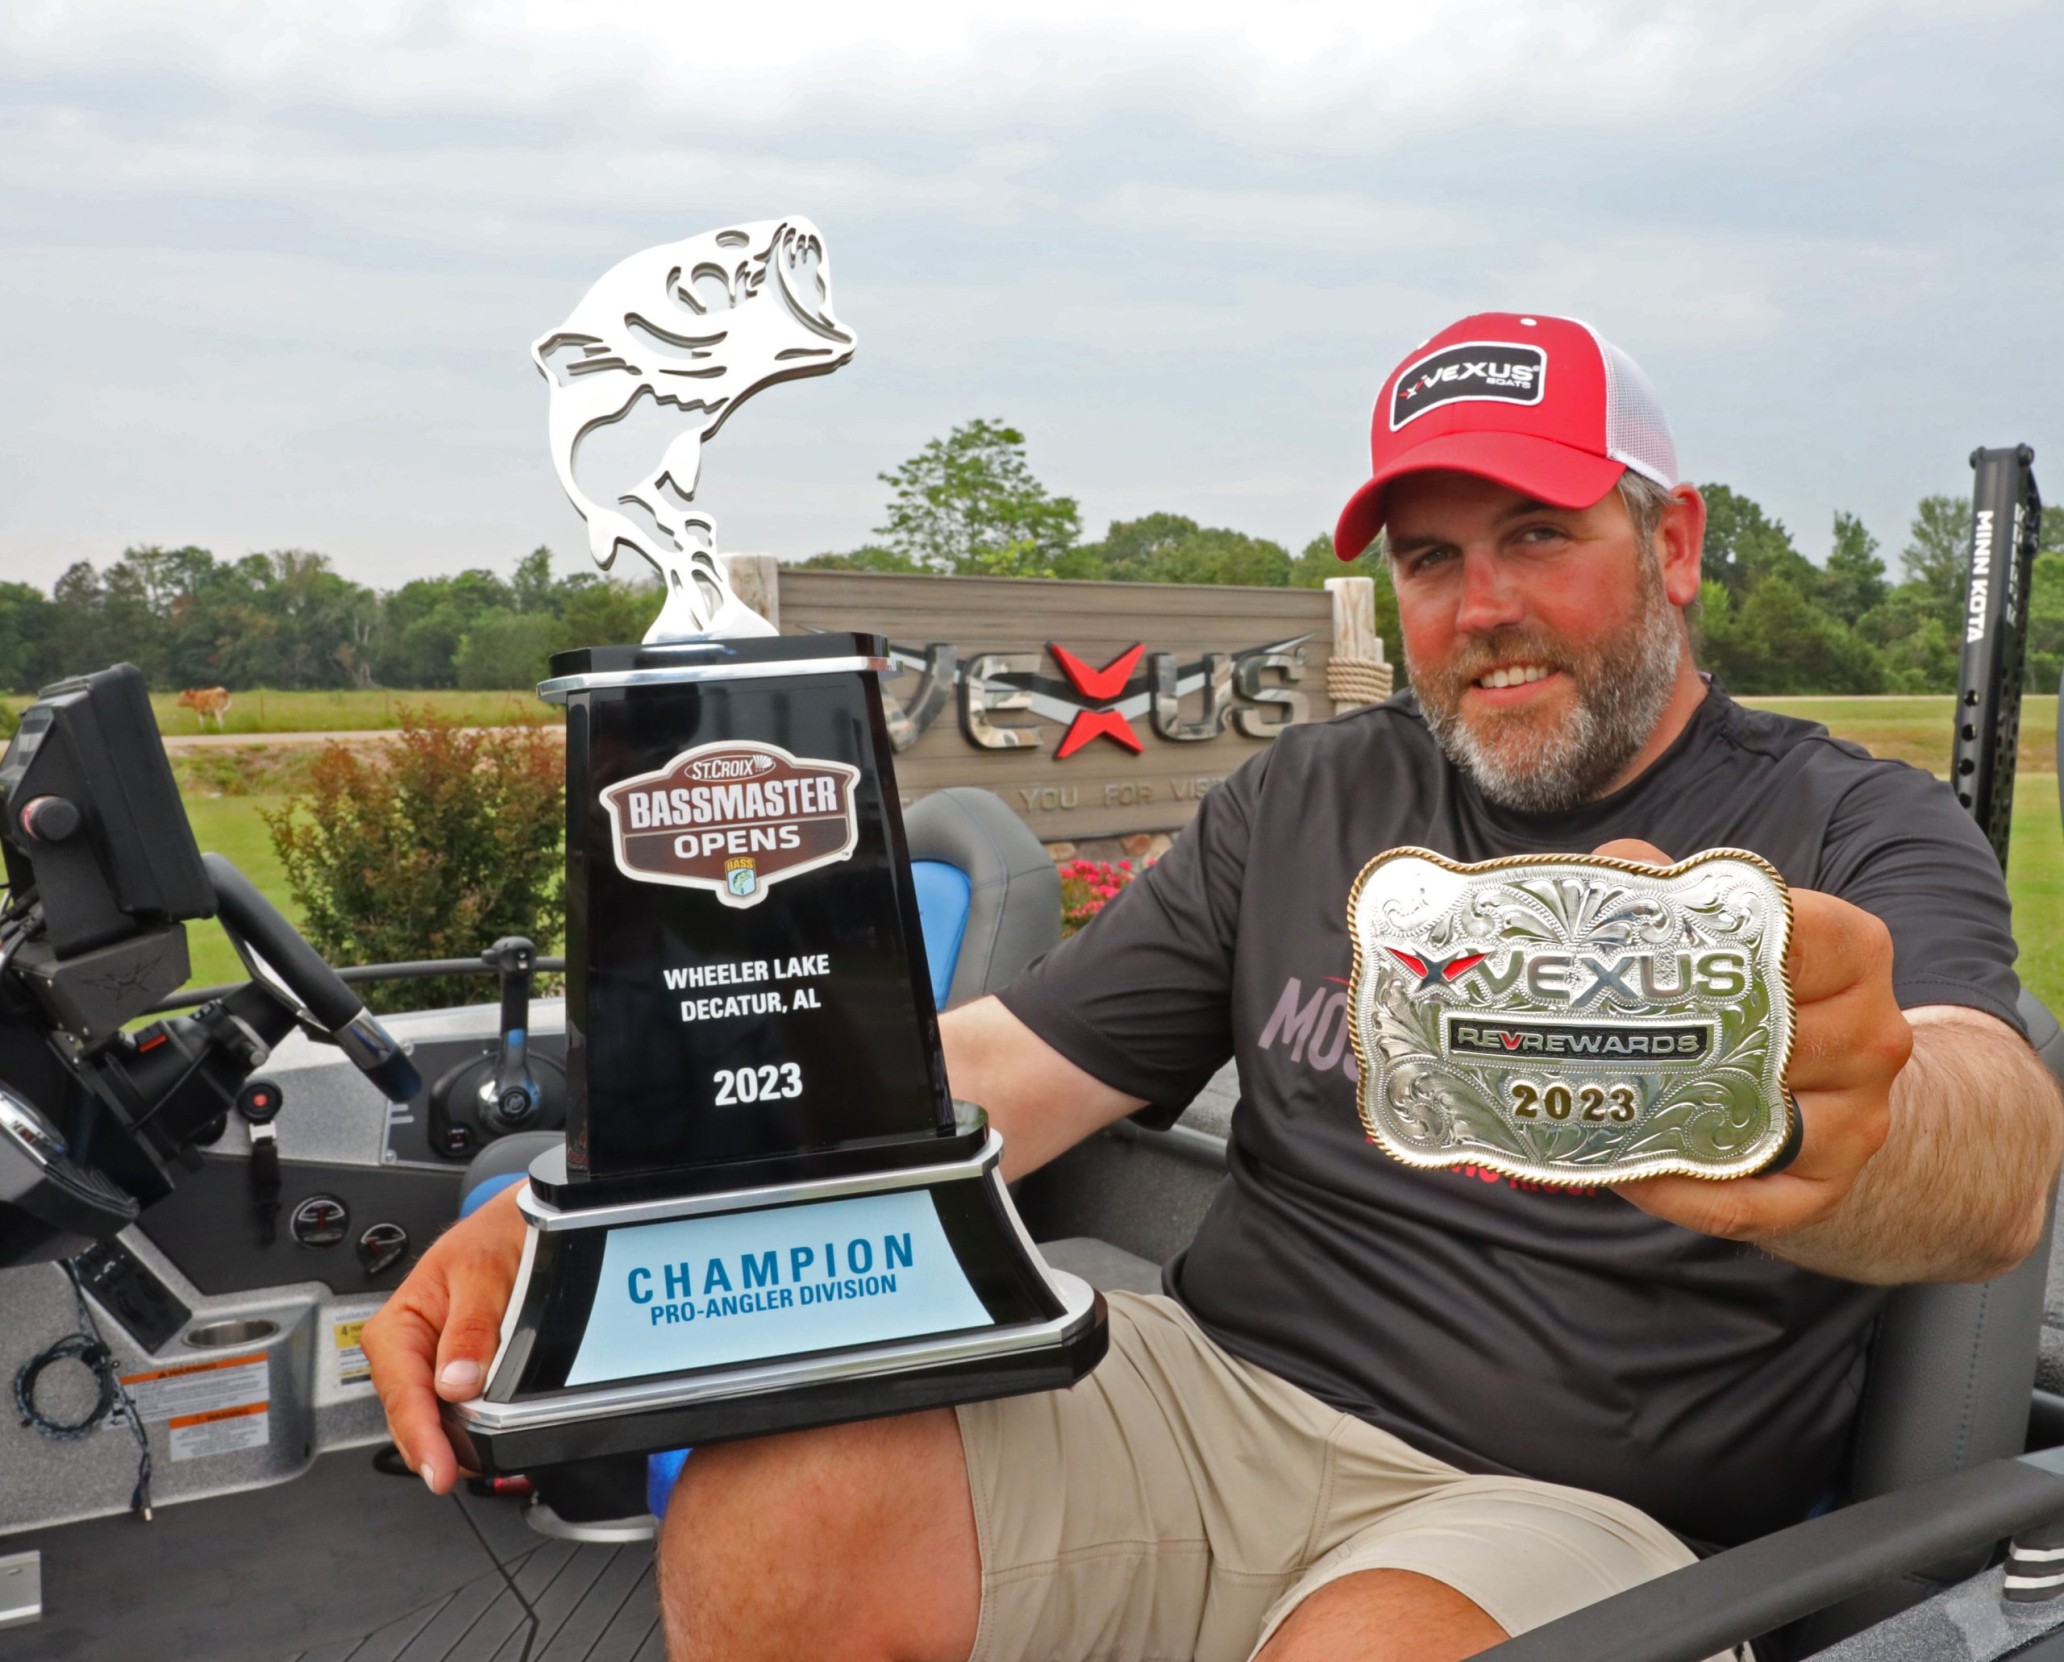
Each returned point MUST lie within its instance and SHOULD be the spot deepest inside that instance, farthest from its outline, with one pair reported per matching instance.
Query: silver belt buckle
(1571, 1019)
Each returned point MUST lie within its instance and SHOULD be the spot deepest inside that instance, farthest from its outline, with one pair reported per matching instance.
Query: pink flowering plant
(1087, 886)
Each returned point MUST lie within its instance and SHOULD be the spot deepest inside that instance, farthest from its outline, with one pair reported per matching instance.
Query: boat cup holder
(228, 1335)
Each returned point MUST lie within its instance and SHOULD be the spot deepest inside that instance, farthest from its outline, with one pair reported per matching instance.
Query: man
(1386, 1413)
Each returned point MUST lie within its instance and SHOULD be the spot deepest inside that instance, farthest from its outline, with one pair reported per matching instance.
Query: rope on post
(1356, 681)
(1355, 671)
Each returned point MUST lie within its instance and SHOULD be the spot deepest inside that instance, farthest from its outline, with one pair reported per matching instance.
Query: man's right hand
(436, 1335)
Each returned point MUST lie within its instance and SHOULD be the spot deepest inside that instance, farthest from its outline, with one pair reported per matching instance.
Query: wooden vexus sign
(1093, 709)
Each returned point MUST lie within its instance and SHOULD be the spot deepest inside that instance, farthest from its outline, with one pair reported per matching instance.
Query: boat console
(97, 1121)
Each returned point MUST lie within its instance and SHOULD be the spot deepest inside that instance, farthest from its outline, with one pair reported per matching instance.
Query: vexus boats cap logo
(734, 818)
(1476, 369)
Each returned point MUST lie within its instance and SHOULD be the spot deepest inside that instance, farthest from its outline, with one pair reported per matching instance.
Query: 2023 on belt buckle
(1573, 1019)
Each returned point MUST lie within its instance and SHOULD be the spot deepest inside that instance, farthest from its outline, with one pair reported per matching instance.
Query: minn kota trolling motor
(768, 1211)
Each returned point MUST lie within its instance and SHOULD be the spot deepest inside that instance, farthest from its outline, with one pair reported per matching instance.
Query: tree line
(290, 619)
(1769, 620)
(968, 504)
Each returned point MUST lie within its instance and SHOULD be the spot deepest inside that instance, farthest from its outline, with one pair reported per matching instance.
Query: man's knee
(1381, 1615)
(849, 1541)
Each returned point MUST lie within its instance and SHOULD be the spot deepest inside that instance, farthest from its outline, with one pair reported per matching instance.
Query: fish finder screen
(92, 744)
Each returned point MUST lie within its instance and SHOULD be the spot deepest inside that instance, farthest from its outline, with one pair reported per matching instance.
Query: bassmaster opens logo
(732, 818)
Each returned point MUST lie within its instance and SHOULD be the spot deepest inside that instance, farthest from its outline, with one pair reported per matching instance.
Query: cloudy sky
(271, 271)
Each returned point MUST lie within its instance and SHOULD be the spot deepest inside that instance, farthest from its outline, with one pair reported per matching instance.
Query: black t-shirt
(1502, 1326)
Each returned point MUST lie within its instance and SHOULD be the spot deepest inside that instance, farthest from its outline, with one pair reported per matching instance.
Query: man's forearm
(1959, 1190)
(1041, 1102)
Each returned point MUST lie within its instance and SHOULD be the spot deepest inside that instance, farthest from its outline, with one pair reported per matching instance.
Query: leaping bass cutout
(669, 343)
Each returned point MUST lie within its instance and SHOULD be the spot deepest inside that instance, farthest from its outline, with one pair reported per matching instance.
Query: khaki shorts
(1179, 1503)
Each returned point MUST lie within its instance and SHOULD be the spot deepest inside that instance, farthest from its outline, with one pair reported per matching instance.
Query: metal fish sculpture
(694, 327)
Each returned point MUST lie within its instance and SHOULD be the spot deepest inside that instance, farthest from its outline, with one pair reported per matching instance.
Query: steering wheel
(294, 972)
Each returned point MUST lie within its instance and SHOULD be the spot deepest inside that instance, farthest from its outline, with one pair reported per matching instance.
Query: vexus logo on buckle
(1437, 972)
(1499, 370)
(1581, 980)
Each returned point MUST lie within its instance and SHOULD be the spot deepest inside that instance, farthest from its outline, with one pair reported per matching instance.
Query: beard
(1537, 762)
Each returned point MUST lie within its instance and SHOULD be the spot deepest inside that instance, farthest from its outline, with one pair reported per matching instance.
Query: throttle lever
(259, 1104)
(510, 1097)
(255, 926)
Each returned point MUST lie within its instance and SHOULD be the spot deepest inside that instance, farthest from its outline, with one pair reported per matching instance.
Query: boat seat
(1948, 1386)
(988, 893)
(1108, 1268)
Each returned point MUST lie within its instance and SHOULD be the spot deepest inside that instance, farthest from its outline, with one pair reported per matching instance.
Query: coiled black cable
(90, 1350)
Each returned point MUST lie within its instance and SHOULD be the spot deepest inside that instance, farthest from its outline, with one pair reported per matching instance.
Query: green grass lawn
(1919, 730)
(1912, 729)
(2035, 880)
(230, 825)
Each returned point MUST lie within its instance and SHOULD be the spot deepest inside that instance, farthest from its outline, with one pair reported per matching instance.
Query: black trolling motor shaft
(2006, 524)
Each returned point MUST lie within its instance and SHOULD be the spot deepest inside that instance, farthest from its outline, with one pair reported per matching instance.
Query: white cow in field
(696, 327)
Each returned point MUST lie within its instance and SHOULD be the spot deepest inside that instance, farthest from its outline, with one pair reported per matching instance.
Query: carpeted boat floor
(344, 1564)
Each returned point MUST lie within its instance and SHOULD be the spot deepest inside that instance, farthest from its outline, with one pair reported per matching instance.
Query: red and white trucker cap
(1544, 405)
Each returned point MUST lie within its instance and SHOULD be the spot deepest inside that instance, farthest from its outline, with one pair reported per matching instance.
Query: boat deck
(345, 1564)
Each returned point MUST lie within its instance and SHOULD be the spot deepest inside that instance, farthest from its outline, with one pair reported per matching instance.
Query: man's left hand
(1849, 1041)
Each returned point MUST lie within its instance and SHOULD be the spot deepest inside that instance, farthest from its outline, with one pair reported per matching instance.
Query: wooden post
(756, 580)
(1356, 673)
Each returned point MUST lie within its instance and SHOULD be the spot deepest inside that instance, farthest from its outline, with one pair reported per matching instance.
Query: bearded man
(1382, 1412)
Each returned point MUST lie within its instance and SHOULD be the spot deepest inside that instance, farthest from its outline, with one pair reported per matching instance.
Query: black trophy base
(837, 1402)
(683, 1320)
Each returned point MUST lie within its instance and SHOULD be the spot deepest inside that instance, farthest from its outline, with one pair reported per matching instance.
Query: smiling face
(1545, 644)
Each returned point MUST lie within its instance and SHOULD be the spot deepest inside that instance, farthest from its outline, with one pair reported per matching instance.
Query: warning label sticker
(222, 1432)
(352, 1366)
(209, 1407)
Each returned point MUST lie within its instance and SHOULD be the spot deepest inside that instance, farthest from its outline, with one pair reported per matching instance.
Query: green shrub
(429, 846)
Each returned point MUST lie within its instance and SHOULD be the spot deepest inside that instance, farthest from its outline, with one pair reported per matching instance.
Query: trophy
(768, 1211)
(1574, 1020)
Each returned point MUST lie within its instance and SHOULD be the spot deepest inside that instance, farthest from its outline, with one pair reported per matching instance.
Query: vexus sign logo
(1251, 691)
(1101, 686)
(1500, 370)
